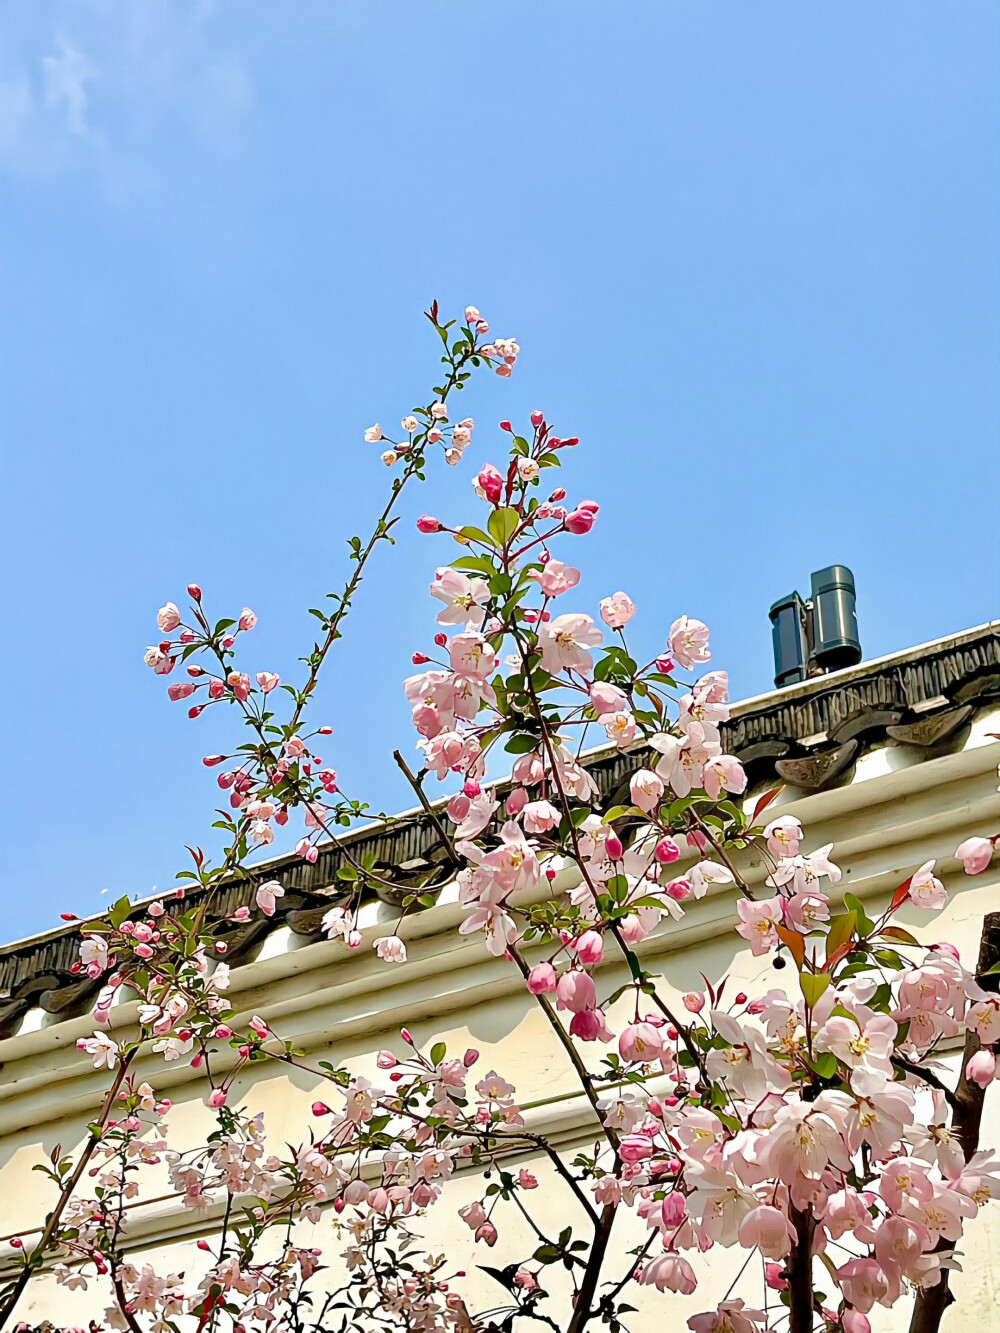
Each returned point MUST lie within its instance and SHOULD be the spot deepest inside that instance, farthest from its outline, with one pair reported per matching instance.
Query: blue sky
(749, 252)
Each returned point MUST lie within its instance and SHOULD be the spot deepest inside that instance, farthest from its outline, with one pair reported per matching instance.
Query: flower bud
(578, 522)
(427, 523)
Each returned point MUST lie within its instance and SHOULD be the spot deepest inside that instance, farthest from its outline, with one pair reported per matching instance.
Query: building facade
(893, 761)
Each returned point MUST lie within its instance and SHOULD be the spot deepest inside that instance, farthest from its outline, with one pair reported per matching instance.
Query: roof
(808, 735)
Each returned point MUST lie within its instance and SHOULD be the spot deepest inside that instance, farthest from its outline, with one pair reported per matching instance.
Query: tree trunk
(799, 1269)
(966, 1119)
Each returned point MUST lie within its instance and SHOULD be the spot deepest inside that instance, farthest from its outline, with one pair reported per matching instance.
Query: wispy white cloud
(100, 83)
(65, 77)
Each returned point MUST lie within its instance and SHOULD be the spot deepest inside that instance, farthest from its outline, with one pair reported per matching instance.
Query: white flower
(102, 1050)
(373, 434)
(391, 949)
(267, 896)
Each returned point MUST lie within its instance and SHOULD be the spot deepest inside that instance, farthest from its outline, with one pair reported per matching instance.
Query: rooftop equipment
(819, 635)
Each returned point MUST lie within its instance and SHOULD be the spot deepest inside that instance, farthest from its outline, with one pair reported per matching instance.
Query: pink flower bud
(247, 619)
(472, 789)
(218, 1098)
(470, 1057)
(694, 1002)
(613, 847)
(578, 522)
(320, 1108)
(386, 1060)
(425, 523)
(488, 1233)
(211, 760)
(667, 851)
(490, 483)
(194, 591)
(590, 948)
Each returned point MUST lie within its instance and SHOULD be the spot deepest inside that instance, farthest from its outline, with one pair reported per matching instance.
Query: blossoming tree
(808, 1125)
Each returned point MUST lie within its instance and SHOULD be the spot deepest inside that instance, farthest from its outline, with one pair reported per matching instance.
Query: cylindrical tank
(788, 632)
(836, 642)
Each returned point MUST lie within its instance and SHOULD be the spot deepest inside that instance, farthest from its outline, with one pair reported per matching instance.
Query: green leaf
(898, 933)
(863, 923)
(119, 912)
(618, 887)
(438, 1051)
(475, 535)
(813, 985)
(618, 811)
(503, 524)
(841, 930)
(825, 1065)
(478, 563)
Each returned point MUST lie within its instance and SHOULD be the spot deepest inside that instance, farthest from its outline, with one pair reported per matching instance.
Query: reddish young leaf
(796, 944)
(901, 895)
(764, 802)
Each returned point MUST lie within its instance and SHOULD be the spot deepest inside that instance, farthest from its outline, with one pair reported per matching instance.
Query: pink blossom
(268, 680)
(463, 597)
(607, 698)
(564, 643)
(516, 802)
(391, 949)
(646, 789)
(527, 1180)
(640, 1043)
(487, 1233)
(267, 896)
(807, 911)
(688, 640)
(576, 991)
(248, 619)
(783, 835)
(723, 772)
(727, 1317)
(757, 922)
(853, 1321)
(542, 979)
(975, 854)
(694, 1002)
(925, 891)
(862, 1283)
(982, 1068)
(620, 727)
(669, 1272)
(473, 1215)
(525, 1279)
(635, 1148)
(769, 1230)
(540, 816)
(555, 578)
(218, 1098)
(617, 610)
(458, 807)
(168, 618)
